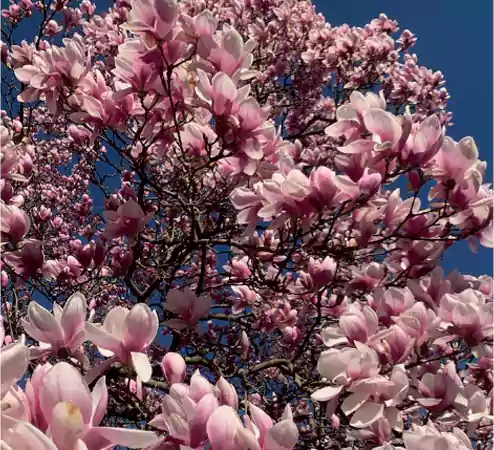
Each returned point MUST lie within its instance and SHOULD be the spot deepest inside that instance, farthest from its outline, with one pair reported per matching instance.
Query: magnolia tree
(221, 226)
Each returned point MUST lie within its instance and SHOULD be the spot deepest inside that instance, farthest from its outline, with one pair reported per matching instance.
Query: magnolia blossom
(173, 366)
(128, 220)
(186, 304)
(428, 437)
(72, 414)
(126, 335)
(62, 329)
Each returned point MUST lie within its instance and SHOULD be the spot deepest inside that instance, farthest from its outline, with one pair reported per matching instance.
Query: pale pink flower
(73, 413)
(469, 313)
(204, 24)
(372, 397)
(152, 19)
(188, 305)
(244, 297)
(226, 432)
(24, 436)
(127, 335)
(185, 412)
(322, 272)
(418, 322)
(14, 359)
(392, 302)
(227, 393)
(14, 222)
(33, 389)
(129, 220)
(343, 366)
(359, 323)
(439, 391)
(394, 343)
(429, 438)
(174, 367)
(238, 268)
(62, 329)
(220, 96)
(281, 435)
(228, 53)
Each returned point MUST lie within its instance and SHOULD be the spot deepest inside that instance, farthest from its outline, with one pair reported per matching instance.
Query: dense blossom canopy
(222, 223)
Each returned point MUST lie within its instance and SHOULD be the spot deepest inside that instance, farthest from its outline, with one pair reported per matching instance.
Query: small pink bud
(174, 367)
(228, 394)
(4, 279)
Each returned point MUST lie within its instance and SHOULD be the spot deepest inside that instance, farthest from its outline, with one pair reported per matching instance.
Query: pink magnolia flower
(418, 322)
(204, 24)
(455, 159)
(185, 412)
(244, 297)
(322, 272)
(52, 28)
(392, 302)
(62, 329)
(342, 366)
(238, 268)
(228, 53)
(21, 54)
(359, 324)
(174, 367)
(283, 195)
(225, 430)
(220, 96)
(430, 290)
(272, 436)
(469, 313)
(428, 437)
(24, 436)
(477, 407)
(330, 189)
(350, 117)
(439, 391)
(28, 260)
(14, 222)
(14, 408)
(73, 413)
(129, 220)
(394, 343)
(423, 144)
(152, 19)
(51, 68)
(195, 139)
(227, 394)
(371, 397)
(14, 359)
(381, 431)
(33, 389)
(127, 335)
(190, 307)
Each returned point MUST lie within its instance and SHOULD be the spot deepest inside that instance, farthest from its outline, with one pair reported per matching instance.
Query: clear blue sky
(455, 37)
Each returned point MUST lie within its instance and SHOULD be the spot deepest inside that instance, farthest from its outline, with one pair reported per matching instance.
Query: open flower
(129, 220)
(62, 329)
(127, 335)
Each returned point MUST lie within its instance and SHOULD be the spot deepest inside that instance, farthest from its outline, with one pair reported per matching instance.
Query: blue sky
(455, 37)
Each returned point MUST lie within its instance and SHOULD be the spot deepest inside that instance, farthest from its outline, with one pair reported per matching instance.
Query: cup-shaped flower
(127, 335)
